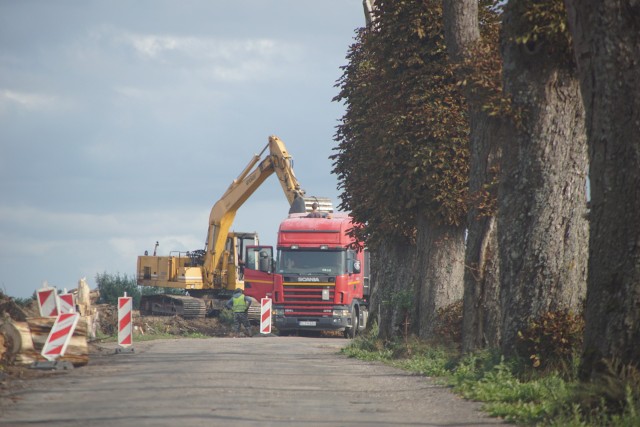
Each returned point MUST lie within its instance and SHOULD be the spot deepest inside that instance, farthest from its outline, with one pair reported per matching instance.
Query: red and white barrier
(265, 315)
(48, 301)
(60, 335)
(125, 325)
(67, 303)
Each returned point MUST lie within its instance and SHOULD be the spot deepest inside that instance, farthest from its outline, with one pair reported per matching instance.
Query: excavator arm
(204, 273)
(254, 174)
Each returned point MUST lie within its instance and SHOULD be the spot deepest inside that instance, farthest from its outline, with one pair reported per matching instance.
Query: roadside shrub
(113, 286)
(226, 317)
(24, 302)
(430, 361)
(611, 397)
(552, 341)
(368, 346)
(448, 328)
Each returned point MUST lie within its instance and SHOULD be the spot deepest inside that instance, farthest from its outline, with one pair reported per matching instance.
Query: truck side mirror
(265, 262)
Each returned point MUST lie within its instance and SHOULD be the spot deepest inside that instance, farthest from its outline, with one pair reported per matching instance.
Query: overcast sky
(123, 122)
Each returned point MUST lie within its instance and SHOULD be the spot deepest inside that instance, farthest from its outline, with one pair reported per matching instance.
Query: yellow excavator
(208, 275)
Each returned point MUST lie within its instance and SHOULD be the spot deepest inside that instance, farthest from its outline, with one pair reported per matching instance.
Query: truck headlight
(278, 312)
(340, 313)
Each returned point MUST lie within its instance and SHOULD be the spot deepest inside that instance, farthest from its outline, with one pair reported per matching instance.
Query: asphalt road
(261, 381)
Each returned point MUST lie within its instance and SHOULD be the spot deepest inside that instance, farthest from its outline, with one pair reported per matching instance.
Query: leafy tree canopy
(403, 141)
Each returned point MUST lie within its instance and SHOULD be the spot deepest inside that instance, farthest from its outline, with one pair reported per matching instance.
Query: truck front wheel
(353, 330)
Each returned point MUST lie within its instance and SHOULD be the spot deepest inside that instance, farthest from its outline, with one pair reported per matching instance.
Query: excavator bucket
(298, 205)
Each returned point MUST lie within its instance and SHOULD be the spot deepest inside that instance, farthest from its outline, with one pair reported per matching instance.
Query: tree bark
(481, 304)
(461, 29)
(542, 230)
(606, 37)
(439, 271)
(392, 276)
(481, 312)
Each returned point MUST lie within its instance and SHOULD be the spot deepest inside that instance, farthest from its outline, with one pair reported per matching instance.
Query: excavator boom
(216, 269)
(224, 211)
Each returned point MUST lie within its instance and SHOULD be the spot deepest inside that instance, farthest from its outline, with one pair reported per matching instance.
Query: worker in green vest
(239, 303)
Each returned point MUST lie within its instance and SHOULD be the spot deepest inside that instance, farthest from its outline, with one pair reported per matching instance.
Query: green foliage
(552, 340)
(513, 399)
(472, 366)
(226, 317)
(112, 287)
(430, 362)
(612, 395)
(152, 290)
(481, 376)
(548, 399)
(368, 346)
(25, 302)
(402, 144)
(402, 300)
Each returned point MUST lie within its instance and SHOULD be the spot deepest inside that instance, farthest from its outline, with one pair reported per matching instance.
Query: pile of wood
(23, 333)
(23, 341)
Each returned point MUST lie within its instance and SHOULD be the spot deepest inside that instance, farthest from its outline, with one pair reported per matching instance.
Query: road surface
(260, 381)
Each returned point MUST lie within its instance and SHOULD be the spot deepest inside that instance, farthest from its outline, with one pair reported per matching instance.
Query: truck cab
(320, 281)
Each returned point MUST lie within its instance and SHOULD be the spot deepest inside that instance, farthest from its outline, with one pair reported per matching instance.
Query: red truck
(319, 282)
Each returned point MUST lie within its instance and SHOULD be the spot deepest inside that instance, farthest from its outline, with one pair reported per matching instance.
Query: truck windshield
(311, 262)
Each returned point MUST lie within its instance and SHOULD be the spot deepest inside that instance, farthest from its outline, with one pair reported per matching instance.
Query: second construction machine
(207, 276)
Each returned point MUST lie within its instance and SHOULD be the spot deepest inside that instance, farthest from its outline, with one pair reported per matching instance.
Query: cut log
(77, 351)
(18, 343)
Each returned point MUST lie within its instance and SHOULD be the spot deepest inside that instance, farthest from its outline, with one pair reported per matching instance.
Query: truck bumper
(312, 323)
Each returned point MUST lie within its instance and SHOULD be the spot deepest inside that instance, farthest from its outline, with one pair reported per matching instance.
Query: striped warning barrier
(125, 329)
(67, 303)
(60, 335)
(265, 315)
(48, 301)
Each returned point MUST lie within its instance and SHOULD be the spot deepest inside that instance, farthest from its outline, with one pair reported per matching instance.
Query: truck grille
(307, 301)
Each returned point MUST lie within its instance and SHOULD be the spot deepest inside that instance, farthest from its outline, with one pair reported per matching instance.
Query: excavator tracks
(173, 305)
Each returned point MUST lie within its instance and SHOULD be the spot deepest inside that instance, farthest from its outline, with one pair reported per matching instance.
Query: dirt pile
(174, 325)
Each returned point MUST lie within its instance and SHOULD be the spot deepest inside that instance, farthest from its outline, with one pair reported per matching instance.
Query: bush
(613, 394)
(113, 286)
(448, 327)
(25, 302)
(551, 341)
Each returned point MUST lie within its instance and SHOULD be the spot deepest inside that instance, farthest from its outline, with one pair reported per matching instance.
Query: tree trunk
(461, 29)
(440, 271)
(392, 276)
(481, 312)
(607, 45)
(368, 5)
(542, 230)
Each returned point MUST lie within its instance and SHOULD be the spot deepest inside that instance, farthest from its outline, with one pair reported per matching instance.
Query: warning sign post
(47, 301)
(125, 325)
(57, 342)
(66, 303)
(265, 315)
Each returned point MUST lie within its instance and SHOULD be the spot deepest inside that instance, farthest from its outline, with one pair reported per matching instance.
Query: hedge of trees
(469, 133)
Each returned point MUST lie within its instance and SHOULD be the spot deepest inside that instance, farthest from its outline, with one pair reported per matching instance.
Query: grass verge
(510, 391)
